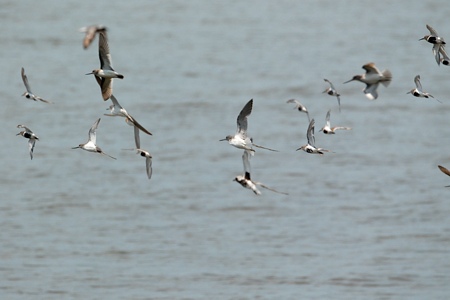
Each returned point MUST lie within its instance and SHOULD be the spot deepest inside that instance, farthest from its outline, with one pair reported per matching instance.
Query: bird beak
(298, 149)
(422, 39)
(89, 73)
(76, 147)
(222, 140)
(349, 80)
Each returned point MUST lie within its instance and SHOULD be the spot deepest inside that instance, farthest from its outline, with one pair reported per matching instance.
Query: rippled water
(368, 221)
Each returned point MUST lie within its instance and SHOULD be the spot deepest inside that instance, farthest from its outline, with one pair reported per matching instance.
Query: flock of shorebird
(105, 75)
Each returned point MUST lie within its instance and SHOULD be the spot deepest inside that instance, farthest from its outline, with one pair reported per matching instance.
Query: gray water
(368, 221)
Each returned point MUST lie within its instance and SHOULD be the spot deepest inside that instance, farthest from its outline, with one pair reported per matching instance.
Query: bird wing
(136, 124)
(137, 140)
(331, 85)
(25, 81)
(310, 134)
(89, 36)
(444, 170)
(103, 51)
(328, 118)
(371, 69)
(31, 143)
(268, 188)
(242, 119)
(105, 86)
(417, 82)
(92, 132)
(432, 31)
(148, 166)
(246, 163)
(371, 91)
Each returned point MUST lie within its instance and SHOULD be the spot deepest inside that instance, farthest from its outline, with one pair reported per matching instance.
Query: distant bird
(106, 73)
(310, 147)
(437, 41)
(333, 92)
(90, 145)
(29, 94)
(90, 32)
(28, 134)
(240, 139)
(327, 129)
(246, 181)
(445, 171)
(418, 92)
(118, 111)
(372, 78)
(299, 107)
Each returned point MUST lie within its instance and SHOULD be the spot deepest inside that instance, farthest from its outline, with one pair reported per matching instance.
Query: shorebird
(116, 110)
(90, 32)
(29, 94)
(372, 78)
(299, 107)
(240, 139)
(437, 41)
(106, 73)
(332, 92)
(327, 129)
(90, 145)
(418, 92)
(28, 134)
(445, 171)
(310, 147)
(246, 181)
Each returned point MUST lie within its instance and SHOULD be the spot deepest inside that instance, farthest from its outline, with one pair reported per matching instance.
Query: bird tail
(387, 78)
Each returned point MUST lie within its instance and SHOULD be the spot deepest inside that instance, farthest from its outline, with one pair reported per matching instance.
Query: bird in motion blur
(28, 134)
(29, 94)
(104, 76)
(372, 78)
(90, 33)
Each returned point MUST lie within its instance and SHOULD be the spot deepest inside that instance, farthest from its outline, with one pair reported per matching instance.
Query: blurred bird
(437, 41)
(418, 92)
(372, 78)
(90, 32)
(299, 107)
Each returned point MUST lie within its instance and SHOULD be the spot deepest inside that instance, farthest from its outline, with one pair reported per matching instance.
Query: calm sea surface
(371, 220)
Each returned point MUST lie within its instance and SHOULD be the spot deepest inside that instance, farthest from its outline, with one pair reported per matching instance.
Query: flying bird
(106, 73)
(310, 147)
(29, 94)
(327, 129)
(331, 90)
(246, 181)
(90, 145)
(28, 134)
(418, 91)
(372, 78)
(437, 41)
